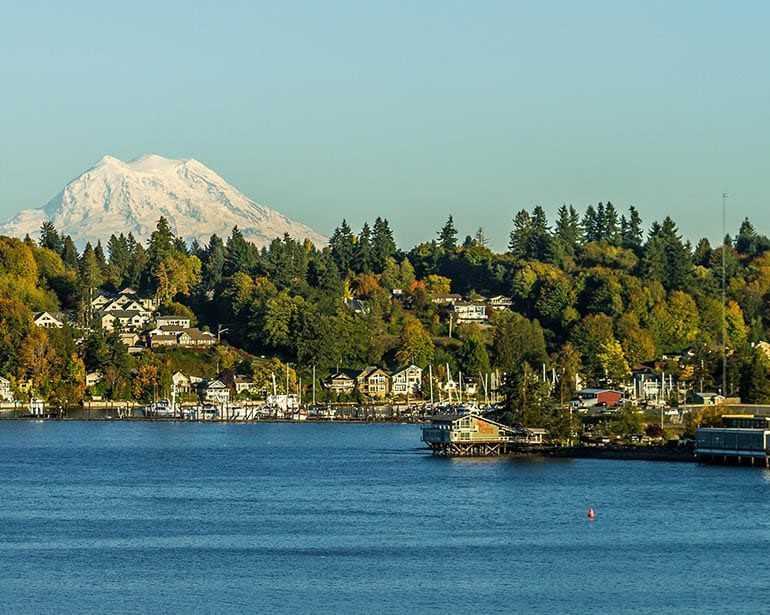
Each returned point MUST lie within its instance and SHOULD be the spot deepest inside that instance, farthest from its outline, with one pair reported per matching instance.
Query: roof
(243, 379)
(447, 418)
(368, 371)
(54, 316)
(123, 313)
(343, 374)
(197, 334)
(403, 369)
(215, 384)
(4, 380)
(597, 391)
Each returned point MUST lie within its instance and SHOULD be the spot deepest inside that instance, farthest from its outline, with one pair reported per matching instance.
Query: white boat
(161, 408)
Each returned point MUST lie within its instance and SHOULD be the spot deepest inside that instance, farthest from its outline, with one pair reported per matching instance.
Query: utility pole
(724, 295)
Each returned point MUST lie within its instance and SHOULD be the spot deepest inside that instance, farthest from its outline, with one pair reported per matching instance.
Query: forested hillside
(593, 294)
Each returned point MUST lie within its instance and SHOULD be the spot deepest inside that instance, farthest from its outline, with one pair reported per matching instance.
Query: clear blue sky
(356, 109)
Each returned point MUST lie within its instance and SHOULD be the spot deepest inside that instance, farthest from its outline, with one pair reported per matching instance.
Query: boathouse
(742, 437)
(470, 435)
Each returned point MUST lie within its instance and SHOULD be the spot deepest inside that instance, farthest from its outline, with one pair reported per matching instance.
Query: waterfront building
(245, 384)
(214, 392)
(740, 437)
(473, 435)
(587, 398)
(374, 382)
(5, 390)
(406, 381)
(341, 382)
(706, 398)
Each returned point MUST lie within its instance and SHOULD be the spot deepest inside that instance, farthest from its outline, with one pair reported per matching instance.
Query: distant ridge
(121, 197)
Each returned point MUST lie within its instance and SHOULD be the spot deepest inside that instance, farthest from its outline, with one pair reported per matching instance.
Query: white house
(244, 384)
(172, 321)
(127, 320)
(5, 390)
(469, 312)
(181, 382)
(500, 302)
(94, 378)
(215, 392)
(406, 381)
(46, 320)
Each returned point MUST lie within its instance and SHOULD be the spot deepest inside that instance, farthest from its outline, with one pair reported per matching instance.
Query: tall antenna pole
(724, 295)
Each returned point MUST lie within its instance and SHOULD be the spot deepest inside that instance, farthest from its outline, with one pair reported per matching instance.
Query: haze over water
(116, 517)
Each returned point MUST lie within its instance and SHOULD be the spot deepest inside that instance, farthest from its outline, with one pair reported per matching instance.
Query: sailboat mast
(724, 295)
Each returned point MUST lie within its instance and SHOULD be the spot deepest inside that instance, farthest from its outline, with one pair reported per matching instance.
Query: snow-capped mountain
(122, 197)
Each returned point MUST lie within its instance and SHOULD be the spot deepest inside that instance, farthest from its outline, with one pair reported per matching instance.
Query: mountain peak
(120, 197)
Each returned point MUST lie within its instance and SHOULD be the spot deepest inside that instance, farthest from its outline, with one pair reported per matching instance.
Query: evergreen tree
(521, 235)
(702, 254)
(239, 254)
(631, 234)
(678, 257)
(70, 253)
(383, 244)
(540, 237)
(49, 237)
(611, 226)
(342, 247)
(567, 232)
(601, 223)
(447, 236)
(591, 226)
(161, 243)
(213, 265)
(117, 247)
(363, 256)
(101, 259)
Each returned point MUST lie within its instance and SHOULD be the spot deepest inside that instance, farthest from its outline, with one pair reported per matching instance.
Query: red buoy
(591, 513)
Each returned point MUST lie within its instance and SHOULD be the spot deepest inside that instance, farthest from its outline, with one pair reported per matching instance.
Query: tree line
(594, 294)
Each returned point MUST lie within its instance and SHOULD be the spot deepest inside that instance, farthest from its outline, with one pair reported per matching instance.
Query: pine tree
(447, 236)
(631, 234)
(702, 254)
(90, 278)
(161, 242)
(383, 244)
(540, 237)
(601, 223)
(611, 226)
(567, 231)
(49, 237)
(590, 223)
(213, 265)
(70, 253)
(342, 247)
(239, 254)
(363, 256)
(521, 235)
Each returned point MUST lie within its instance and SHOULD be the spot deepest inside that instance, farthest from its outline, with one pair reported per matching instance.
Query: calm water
(134, 518)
